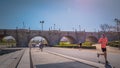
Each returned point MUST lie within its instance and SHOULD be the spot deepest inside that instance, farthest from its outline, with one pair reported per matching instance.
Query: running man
(103, 41)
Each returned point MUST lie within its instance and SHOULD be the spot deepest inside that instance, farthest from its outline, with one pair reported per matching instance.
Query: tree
(117, 24)
(117, 27)
(105, 27)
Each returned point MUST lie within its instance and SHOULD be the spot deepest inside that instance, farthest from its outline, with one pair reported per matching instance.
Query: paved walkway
(52, 57)
(10, 60)
(25, 60)
(88, 54)
(47, 60)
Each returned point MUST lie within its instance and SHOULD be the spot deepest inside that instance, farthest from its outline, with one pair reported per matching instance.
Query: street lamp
(79, 28)
(42, 24)
(54, 26)
(24, 25)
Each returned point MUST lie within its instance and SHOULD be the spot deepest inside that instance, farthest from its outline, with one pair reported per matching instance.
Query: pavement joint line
(16, 61)
(98, 65)
(21, 55)
(24, 62)
(13, 58)
(31, 61)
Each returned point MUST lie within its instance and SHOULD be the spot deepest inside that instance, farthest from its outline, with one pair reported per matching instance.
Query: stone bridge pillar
(54, 38)
(22, 38)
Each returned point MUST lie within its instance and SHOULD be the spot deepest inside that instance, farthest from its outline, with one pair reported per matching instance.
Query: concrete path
(10, 60)
(52, 57)
(47, 60)
(25, 60)
(87, 54)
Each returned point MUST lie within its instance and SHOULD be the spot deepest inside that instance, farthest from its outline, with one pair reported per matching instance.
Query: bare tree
(117, 24)
(117, 27)
(105, 27)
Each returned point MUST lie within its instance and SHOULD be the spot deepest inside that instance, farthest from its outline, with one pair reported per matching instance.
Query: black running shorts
(103, 49)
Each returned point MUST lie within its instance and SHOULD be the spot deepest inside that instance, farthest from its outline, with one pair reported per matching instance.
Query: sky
(66, 15)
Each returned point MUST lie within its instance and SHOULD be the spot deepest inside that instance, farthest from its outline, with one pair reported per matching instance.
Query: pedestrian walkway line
(79, 60)
(25, 60)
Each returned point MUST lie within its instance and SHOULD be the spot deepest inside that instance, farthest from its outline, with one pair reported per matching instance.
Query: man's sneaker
(98, 55)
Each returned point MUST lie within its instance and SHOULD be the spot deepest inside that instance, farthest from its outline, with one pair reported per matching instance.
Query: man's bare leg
(105, 55)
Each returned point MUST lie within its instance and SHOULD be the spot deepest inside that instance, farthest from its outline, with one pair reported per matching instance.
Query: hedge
(114, 43)
(87, 43)
(75, 46)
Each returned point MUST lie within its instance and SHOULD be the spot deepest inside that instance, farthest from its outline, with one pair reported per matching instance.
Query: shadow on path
(64, 65)
(6, 51)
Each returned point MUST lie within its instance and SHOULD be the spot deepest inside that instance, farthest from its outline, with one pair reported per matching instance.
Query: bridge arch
(69, 39)
(38, 38)
(8, 41)
(92, 39)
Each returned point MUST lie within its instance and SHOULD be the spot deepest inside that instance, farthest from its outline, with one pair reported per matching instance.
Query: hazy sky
(65, 14)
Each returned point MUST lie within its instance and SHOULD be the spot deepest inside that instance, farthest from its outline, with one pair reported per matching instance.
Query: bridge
(53, 37)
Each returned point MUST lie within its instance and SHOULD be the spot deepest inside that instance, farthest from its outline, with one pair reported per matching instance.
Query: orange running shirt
(103, 42)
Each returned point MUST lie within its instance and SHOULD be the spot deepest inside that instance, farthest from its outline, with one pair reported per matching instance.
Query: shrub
(64, 43)
(92, 39)
(87, 43)
(114, 43)
(75, 46)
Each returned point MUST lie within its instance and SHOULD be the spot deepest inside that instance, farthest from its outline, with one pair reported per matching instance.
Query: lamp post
(54, 26)
(23, 25)
(42, 22)
(79, 28)
(73, 29)
(17, 40)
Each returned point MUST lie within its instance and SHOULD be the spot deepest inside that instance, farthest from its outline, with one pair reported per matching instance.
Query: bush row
(114, 43)
(87, 45)
(7, 44)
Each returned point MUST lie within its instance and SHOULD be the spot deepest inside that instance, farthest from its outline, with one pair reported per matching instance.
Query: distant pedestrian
(41, 46)
(103, 41)
(80, 45)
